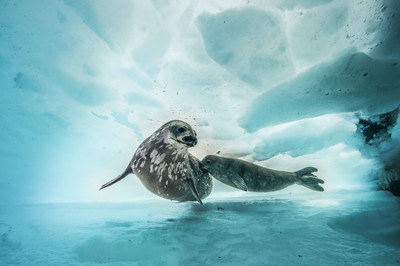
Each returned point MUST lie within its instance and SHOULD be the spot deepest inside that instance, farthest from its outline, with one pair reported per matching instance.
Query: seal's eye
(181, 129)
(208, 161)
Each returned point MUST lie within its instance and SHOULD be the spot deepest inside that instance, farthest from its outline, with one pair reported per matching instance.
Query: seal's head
(180, 134)
(212, 163)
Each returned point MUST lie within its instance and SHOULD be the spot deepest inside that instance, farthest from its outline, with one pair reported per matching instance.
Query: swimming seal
(251, 177)
(166, 168)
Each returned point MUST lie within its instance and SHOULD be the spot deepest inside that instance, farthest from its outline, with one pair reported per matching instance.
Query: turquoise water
(279, 83)
(335, 229)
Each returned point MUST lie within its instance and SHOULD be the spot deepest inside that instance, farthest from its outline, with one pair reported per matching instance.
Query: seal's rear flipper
(307, 179)
(194, 190)
(127, 171)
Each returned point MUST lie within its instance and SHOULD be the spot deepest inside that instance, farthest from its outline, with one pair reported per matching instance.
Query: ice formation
(281, 83)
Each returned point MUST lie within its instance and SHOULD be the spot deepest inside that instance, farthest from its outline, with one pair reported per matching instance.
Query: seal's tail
(307, 179)
(127, 171)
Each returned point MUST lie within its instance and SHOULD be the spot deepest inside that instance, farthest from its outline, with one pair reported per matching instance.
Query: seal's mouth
(188, 140)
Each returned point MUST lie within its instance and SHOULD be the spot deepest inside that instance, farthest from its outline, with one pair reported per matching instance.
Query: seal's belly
(165, 187)
(171, 183)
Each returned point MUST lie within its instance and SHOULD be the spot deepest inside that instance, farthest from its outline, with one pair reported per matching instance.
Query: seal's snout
(190, 140)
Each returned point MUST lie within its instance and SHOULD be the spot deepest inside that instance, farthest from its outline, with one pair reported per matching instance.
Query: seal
(166, 168)
(251, 177)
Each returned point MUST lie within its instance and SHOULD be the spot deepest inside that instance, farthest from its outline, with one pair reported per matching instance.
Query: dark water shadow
(245, 208)
(113, 224)
(5, 242)
(381, 226)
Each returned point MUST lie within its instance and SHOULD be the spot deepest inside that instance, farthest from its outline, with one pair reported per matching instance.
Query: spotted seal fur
(166, 168)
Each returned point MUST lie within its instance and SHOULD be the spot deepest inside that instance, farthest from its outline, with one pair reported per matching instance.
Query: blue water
(279, 230)
(279, 83)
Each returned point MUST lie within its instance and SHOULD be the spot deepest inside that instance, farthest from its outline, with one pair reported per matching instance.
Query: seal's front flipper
(307, 179)
(194, 190)
(239, 182)
(127, 171)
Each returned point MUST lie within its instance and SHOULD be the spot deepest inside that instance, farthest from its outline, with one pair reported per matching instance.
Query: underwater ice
(284, 84)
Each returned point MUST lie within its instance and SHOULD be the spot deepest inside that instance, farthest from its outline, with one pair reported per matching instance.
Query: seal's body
(251, 177)
(166, 168)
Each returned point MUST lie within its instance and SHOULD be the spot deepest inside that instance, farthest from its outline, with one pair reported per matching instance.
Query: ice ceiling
(282, 83)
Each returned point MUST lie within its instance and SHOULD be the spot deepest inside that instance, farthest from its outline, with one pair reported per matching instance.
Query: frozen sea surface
(336, 228)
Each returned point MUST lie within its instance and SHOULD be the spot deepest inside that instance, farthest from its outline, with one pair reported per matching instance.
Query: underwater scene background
(282, 84)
